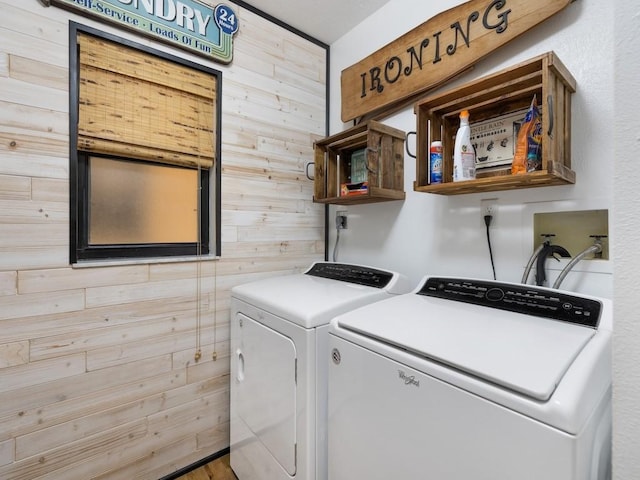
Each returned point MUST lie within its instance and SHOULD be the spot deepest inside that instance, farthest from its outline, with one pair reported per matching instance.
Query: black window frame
(86, 251)
(79, 248)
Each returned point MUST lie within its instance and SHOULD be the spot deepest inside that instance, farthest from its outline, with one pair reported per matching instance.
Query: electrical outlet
(489, 206)
(341, 220)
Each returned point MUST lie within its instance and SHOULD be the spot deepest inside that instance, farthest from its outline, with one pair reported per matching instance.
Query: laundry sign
(437, 50)
(187, 24)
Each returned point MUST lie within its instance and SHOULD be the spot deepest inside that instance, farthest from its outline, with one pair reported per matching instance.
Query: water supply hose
(595, 248)
(527, 269)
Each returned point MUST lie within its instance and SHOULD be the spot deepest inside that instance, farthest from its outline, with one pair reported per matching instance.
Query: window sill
(142, 261)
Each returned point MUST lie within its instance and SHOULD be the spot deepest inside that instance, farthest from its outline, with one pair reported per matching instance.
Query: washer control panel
(358, 274)
(526, 299)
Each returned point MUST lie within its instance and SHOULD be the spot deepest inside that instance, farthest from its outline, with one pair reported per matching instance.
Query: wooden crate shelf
(384, 162)
(490, 97)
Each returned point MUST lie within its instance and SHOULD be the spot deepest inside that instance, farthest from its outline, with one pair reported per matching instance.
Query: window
(145, 137)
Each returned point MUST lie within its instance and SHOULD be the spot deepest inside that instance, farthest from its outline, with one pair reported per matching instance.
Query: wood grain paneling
(14, 162)
(36, 34)
(15, 188)
(8, 283)
(45, 405)
(26, 119)
(38, 73)
(58, 458)
(17, 306)
(21, 212)
(15, 353)
(50, 189)
(34, 95)
(98, 376)
(4, 64)
(33, 256)
(16, 377)
(51, 280)
(6, 452)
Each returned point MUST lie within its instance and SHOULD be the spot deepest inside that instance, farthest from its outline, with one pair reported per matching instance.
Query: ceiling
(324, 20)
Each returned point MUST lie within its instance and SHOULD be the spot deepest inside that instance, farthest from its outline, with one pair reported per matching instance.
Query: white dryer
(471, 379)
(279, 351)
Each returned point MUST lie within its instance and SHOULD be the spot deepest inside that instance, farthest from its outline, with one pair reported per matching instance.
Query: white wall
(433, 234)
(626, 374)
(427, 233)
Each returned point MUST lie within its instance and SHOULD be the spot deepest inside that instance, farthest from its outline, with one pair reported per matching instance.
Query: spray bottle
(464, 155)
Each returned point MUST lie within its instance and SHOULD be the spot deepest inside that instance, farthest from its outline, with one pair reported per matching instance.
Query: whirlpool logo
(408, 379)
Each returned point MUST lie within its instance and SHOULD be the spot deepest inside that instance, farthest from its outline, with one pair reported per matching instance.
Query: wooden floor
(219, 469)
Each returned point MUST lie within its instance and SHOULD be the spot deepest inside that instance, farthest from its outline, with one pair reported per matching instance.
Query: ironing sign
(439, 49)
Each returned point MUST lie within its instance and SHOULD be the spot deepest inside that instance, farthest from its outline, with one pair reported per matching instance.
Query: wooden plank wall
(97, 370)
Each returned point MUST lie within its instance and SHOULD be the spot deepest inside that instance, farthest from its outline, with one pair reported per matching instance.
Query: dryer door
(266, 388)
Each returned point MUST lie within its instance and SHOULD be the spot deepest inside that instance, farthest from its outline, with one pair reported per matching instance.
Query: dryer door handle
(240, 359)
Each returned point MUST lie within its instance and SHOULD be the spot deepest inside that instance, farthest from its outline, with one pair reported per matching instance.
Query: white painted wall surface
(626, 353)
(433, 234)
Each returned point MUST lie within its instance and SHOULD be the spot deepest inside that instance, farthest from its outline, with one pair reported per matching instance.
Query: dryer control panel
(358, 274)
(526, 299)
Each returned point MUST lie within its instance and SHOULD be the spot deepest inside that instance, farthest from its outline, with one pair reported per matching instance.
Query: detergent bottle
(464, 155)
(435, 162)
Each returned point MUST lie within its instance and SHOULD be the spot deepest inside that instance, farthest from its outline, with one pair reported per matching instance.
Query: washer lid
(523, 353)
(307, 300)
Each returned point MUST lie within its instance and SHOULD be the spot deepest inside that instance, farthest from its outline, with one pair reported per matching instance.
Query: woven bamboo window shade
(144, 107)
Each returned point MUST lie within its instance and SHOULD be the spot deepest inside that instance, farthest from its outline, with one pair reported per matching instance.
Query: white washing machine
(279, 348)
(471, 379)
